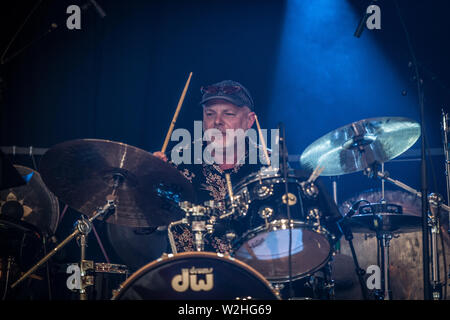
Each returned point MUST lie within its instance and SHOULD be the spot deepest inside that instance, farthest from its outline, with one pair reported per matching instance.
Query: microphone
(282, 147)
(99, 9)
(353, 209)
(345, 220)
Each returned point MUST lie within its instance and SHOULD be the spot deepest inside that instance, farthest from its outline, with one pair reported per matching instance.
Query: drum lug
(87, 281)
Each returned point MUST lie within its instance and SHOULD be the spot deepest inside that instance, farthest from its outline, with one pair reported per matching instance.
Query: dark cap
(230, 91)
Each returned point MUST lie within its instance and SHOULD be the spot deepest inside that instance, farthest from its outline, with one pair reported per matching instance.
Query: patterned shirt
(210, 183)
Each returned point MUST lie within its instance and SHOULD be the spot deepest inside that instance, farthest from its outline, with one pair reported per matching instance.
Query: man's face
(223, 115)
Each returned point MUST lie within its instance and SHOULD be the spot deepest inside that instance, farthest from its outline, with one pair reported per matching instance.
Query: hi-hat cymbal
(82, 174)
(400, 213)
(358, 145)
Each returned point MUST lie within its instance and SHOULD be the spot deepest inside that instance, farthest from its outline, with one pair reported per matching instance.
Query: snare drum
(196, 276)
(262, 227)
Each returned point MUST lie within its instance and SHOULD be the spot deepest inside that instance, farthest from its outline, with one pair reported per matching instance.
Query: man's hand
(160, 155)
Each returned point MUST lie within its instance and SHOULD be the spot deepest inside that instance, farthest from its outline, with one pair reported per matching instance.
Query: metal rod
(335, 191)
(382, 183)
(45, 259)
(76, 232)
(83, 240)
(387, 291)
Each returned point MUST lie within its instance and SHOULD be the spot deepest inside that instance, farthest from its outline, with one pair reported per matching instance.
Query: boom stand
(344, 224)
(83, 227)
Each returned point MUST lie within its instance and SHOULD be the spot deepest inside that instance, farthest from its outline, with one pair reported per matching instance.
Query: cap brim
(219, 97)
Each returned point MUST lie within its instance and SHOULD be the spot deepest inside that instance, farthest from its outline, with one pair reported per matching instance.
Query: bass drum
(196, 276)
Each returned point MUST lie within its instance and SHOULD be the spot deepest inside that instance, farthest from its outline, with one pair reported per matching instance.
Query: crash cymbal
(82, 174)
(358, 145)
(32, 203)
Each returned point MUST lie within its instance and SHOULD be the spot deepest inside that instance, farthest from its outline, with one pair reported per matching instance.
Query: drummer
(226, 105)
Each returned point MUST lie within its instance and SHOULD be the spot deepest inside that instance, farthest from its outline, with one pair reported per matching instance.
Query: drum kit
(281, 228)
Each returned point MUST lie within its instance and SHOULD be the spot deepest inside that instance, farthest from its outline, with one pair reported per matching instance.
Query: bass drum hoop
(296, 225)
(170, 258)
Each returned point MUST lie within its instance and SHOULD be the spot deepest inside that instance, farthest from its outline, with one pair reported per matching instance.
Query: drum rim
(164, 259)
(259, 229)
(252, 178)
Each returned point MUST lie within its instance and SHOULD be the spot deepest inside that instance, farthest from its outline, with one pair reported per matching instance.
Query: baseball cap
(228, 90)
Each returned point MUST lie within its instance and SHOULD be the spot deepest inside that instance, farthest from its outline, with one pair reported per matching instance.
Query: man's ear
(251, 119)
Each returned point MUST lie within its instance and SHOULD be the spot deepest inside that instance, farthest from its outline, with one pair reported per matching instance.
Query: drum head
(195, 276)
(268, 252)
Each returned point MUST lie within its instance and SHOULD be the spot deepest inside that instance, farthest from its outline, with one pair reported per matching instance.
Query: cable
(2, 60)
(425, 241)
(286, 190)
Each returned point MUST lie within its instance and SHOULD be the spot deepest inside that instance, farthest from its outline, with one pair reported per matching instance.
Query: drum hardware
(200, 220)
(82, 227)
(372, 172)
(347, 231)
(8, 270)
(435, 201)
(99, 282)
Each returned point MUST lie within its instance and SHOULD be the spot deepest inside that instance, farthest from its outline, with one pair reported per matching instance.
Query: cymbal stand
(433, 222)
(385, 239)
(83, 226)
(435, 201)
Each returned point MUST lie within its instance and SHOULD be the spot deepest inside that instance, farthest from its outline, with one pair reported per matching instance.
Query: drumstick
(177, 111)
(316, 173)
(263, 142)
(230, 189)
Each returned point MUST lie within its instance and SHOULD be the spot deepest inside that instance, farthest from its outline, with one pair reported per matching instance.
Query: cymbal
(82, 174)
(400, 214)
(385, 222)
(357, 146)
(32, 203)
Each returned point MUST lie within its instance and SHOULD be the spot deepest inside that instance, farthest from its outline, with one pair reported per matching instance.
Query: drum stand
(83, 227)
(436, 204)
(199, 220)
(385, 293)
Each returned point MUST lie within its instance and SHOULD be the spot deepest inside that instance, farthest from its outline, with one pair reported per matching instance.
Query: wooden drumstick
(263, 142)
(177, 111)
(230, 189)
